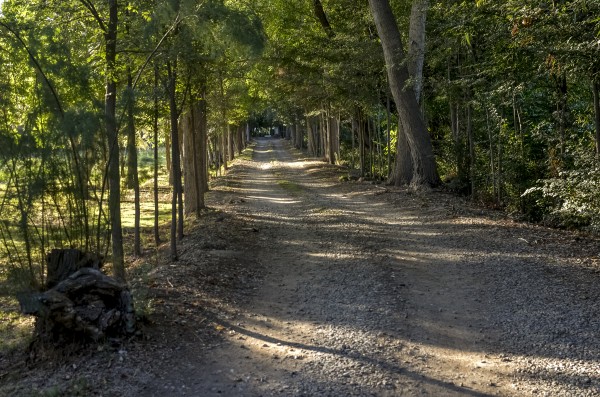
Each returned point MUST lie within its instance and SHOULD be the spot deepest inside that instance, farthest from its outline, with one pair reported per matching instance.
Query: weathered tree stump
(80, 301)
(61, 263)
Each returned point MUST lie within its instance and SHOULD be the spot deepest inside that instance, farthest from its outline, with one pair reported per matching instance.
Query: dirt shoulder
(296, 284)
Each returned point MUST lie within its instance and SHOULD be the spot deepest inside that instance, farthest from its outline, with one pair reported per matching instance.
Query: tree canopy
(510, 104)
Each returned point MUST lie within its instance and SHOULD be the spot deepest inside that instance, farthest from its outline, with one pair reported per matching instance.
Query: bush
(570, 200)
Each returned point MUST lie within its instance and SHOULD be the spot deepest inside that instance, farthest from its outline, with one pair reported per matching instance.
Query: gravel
(371, 290)
(322, 288)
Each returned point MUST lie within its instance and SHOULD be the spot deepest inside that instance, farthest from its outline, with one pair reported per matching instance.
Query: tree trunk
(202, 127)
(132, 165)
(334, 139)
(353, 129)
(240, 140)
(471, 149)
(299, 136)
(416, 50)
(424, 166)
(288, 132)
(190, 187)
(224, 149)
(322, 17)
(168, 161)
(596, 91)
(114, 178)
(499, 159)
(388, 131)
(311, 138)
(361, 146)
(562, 113)
(155, 131)
(323, 141)
(175, 165)
(194, 157)
(491, 151)
(230, 143)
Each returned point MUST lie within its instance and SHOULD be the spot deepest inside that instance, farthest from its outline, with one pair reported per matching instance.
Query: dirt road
(370, 291)
(296, 284)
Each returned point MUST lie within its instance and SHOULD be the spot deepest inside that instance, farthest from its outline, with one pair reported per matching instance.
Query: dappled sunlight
(275, 200)
(280, 339)
(252, 190)
(334, 255)
(15, 328)
(296, 164)
(407, 282)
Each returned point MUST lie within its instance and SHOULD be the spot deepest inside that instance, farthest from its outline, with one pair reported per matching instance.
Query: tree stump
(80, 301)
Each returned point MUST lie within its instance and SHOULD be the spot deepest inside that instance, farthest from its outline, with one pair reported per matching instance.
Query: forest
(116, 115)
(323, 197)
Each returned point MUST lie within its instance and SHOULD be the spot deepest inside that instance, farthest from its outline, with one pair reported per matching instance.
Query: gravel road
(374, 291)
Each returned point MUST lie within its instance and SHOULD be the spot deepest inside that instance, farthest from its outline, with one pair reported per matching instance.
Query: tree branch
(322, 17)
(88, 4)
(37, 66)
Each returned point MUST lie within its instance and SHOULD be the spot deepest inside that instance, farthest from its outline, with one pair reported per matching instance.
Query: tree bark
(190, 187)
(224, 148)
(403, 169)
(322, 17)
(311, 138)
(424, 166)
(416, 50)
(132, 165)
(175, 159)
(596, 91)
(229, 142)
(561, 108)
(362, 146)
(202, 120)
(471, 149)
(114, 178)
(155, 131)
(388, 131)
(333, 132)
(194, 134)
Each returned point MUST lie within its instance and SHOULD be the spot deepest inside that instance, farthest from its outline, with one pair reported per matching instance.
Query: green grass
(289, 186)
(15, 329)
(146, 214)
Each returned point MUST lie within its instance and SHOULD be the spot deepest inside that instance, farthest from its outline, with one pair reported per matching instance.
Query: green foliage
(506, 98)
(570, 200)
(518, 75)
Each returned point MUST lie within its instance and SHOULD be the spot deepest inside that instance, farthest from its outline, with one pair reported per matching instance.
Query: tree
(424, 166)
(110, 118)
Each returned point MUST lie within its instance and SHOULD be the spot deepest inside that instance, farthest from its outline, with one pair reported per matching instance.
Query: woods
(495, 101)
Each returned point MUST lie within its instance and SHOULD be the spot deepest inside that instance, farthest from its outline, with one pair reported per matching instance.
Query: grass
(15, 329)
(291, 187)
(146, 214)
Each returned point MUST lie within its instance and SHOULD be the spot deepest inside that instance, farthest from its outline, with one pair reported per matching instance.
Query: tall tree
(109, 28)
(424, 166)
(114, 177)
(176, 207)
